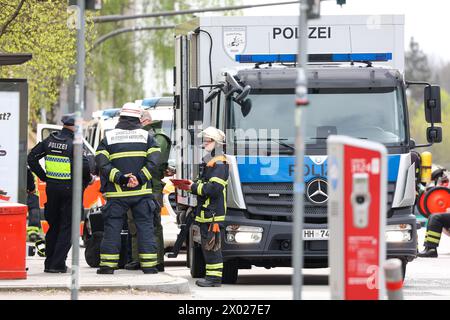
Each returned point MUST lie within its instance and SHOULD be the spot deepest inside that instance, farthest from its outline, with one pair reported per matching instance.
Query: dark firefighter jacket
(211, 189)
(127, 149)
(57, 149)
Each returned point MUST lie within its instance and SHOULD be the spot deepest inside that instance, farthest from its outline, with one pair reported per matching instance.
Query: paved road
(425, 279)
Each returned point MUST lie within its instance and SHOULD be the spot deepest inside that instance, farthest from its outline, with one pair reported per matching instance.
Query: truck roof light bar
(321, 57)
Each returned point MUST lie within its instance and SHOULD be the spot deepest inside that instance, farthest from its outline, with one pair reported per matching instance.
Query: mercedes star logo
(317, 191)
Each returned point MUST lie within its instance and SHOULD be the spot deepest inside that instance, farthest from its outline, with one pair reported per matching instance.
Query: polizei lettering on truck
(292, 33)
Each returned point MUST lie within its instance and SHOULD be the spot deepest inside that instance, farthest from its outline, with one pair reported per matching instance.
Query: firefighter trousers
(58, 213)
(436, 222)
(143, 209)
(213, 259)
(159, 236)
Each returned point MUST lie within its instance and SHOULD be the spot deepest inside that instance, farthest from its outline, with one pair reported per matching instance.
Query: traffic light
(313, 11)
(89, 4)
(340, 2)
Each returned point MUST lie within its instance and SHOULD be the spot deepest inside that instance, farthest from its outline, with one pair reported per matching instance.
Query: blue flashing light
(320, 57)
(347, 57)
(265, 58)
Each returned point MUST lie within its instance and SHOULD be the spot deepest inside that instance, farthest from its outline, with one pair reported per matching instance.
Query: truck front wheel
(230, 272)
(196, 260)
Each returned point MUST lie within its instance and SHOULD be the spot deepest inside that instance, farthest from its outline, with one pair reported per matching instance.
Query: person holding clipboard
(210, 189)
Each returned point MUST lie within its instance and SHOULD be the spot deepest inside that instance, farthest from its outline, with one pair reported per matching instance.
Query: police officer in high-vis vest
(127, 158)
(437, 223)
(58, 152)
(210, 189)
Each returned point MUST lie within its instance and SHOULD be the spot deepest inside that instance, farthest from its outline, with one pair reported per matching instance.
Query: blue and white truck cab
(356, 88)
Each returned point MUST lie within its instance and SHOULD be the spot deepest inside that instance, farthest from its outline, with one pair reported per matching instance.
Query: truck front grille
(274, 201)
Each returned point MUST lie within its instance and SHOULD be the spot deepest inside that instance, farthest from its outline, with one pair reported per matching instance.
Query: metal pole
(301, 101)
(77, 153)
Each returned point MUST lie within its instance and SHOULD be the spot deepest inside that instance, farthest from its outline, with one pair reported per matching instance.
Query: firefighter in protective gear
(58, 152)
(127, 158)
(437, 222)
(210, 189)
(164, 142)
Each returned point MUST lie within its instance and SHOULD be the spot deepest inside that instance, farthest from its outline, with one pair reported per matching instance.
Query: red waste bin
(13, 217)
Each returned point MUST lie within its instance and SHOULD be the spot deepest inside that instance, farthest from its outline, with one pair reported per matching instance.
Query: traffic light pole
(77, 188)
(301, 100)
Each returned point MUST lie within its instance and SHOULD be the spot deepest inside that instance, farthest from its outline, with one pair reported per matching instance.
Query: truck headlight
(243, 234)
(398, 233)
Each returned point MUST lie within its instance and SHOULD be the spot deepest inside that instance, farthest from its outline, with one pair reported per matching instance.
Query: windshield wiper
(279, 141)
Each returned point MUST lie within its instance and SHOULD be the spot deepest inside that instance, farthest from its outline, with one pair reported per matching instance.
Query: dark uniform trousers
(58, 213)
(434, 229)
(213, 259)
(143, 210)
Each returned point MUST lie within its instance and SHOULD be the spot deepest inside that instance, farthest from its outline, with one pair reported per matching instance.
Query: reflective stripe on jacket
(211, 190)
(127, 151)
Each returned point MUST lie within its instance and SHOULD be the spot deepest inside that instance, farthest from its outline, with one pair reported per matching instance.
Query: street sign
(357, 174)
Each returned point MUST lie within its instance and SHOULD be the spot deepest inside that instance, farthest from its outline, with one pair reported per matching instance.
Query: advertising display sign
(9, 144)
(357, 173)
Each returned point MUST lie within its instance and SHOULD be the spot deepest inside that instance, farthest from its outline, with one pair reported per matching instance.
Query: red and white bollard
(394, 279)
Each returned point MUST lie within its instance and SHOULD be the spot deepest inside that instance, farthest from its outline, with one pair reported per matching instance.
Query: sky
(428, 21)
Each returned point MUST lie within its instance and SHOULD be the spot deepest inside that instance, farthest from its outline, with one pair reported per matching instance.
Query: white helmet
(130, 109)
(213, 133)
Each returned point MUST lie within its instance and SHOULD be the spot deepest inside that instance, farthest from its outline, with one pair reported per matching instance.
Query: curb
(178, 286)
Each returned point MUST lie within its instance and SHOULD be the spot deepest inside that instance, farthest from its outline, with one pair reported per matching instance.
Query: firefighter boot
(150, 270)
(133, 265)
(428, 252)
(105, 270)
(208, 283)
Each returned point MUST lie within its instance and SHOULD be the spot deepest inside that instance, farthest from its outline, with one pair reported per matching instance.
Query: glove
(213, 242)
(123, 180)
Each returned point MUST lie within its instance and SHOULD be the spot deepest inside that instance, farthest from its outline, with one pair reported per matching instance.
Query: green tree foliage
(118, 63)
(162, 41)
(419, 126)
(40, 28)
(417, 68)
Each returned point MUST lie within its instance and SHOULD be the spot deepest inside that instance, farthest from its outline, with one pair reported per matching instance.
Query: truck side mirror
(434, 134)
(246, 106)
(195, 106)
(432, 99)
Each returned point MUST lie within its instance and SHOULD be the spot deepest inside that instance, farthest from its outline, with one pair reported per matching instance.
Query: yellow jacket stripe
(103, 152)
(128, 193)
(112, 174)
(153, 149)
(214, 266)
(203, 220)
(127, 154)
(200, 188)
(150, 264)
(147, 173)
(218, 180)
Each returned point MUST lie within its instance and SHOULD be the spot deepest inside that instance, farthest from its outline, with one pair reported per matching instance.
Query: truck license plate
(316, 234)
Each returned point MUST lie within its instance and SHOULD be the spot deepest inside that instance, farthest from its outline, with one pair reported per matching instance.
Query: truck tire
(196, 260)
(230, 272)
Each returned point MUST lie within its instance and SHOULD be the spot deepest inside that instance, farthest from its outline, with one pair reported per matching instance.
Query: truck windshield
(375, 114)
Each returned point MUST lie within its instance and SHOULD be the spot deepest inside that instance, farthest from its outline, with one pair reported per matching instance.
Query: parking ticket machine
(357, 174)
